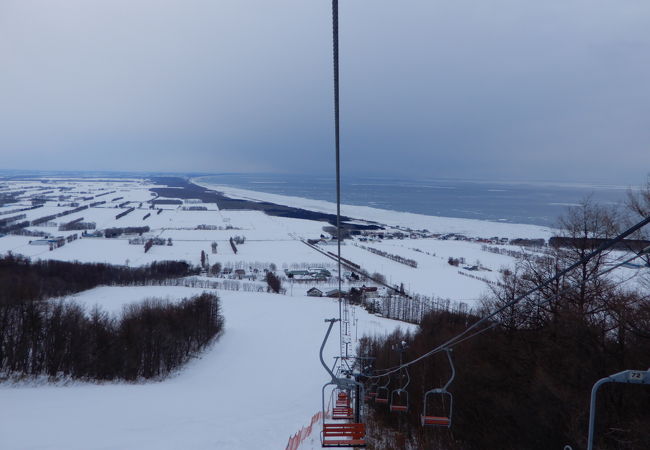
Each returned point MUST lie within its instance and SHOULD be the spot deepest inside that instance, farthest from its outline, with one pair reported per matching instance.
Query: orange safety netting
(300, 436)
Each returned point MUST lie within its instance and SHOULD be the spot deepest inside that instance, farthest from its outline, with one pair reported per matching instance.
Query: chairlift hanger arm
(453, 369)
(322, 347)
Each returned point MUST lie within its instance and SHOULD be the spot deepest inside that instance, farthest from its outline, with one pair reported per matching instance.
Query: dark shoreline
(182, 188)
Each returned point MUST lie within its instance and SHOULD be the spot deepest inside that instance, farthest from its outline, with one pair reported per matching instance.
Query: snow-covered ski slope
(256, 386)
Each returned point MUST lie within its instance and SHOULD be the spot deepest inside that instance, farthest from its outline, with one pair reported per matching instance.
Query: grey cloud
(506, 89)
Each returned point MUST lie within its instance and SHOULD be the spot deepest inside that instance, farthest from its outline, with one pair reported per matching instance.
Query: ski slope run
(256, 386)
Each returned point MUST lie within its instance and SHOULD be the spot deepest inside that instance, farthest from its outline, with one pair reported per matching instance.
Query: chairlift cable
(337, 434)
(393, 369)
(337, 144)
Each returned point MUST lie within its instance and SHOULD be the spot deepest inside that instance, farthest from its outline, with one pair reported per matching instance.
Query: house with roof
(369, 291)
(295, 273)
(315, 292)
(334, 293)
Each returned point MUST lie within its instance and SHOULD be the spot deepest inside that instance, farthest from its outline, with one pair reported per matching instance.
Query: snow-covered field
(433, 276)
(269, 239)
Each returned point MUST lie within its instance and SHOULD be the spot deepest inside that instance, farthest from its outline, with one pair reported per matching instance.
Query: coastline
(182, 188)
(435, 224)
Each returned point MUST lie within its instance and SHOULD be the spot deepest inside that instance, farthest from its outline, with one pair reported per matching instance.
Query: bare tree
(586, 225)
(638, 203)
(274, 283)
(215, 269)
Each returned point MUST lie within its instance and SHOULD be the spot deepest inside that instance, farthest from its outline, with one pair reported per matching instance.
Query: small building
(334, 293)
(52, 242)
(240, 273)
(369, 291)
(40, 242)
(320, 272)
(315, 292)
(293, 273)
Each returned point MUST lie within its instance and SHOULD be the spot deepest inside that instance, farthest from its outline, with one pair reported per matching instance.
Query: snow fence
(304, 433)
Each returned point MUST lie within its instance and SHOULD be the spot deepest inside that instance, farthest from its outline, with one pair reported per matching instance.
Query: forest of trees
(149, 340)
(58, 338)
(22, 279)
(525, 382)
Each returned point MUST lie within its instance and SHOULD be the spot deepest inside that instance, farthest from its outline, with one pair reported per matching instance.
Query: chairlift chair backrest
(441, 421)
(383, 393)
(427, 419)
(399, 398)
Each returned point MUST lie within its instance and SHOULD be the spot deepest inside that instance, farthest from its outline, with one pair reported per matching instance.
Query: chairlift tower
(346, 332)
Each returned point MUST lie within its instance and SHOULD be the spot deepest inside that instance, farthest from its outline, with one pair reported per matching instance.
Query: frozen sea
(512, 202)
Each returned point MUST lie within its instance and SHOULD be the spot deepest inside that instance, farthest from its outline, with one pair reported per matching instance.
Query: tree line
(41, 336)
(149, 340)
(525, 382)
(25, 280)
(400, 259)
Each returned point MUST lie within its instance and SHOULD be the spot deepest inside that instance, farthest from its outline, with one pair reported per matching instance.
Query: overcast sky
(498, 89)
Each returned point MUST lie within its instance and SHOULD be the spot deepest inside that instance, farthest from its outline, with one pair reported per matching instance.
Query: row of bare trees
(400, 259)
(149, 340)
(22, 279)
